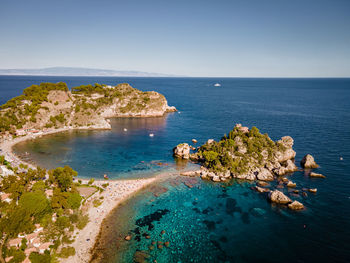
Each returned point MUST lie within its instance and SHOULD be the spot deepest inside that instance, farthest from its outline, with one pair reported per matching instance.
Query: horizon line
(227, 77)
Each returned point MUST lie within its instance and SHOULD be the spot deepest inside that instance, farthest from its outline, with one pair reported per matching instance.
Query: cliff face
(53, 106)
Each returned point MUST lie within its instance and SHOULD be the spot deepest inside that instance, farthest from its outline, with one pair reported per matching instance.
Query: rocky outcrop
(291, 184)
(246, 176)
(182, 151)
(316, 175)
(295, 205)
(290, 166)
(191, 173)
(265, 175)
(241, 128)
(279, 197)
(308, 162)
(210, 141)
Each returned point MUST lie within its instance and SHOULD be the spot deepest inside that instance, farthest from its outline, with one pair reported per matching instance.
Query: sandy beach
(117, 192)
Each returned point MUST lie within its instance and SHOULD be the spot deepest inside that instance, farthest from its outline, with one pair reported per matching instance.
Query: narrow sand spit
(117, 192)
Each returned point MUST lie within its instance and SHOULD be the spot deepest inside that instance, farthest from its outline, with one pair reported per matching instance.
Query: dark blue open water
(211, 223)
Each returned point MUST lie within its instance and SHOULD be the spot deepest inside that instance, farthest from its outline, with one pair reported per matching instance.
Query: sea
(189, 220)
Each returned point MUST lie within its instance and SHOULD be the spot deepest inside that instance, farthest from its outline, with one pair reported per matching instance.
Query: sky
(234, 38)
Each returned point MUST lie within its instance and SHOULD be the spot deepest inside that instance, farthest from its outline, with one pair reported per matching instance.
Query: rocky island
(249, 155)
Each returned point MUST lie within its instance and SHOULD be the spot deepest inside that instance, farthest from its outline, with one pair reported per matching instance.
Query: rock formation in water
(53, 106)
(247, 154)
(279, 197)
(182, 151)
(295, 205)
(243, 154)
(308, 162)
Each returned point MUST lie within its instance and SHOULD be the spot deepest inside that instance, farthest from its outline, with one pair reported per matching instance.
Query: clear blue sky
(243, 38)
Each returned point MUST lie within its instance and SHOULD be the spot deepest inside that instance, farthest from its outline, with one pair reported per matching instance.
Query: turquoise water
(209, 222)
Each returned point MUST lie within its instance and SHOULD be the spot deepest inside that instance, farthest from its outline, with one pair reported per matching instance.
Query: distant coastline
(80, 72)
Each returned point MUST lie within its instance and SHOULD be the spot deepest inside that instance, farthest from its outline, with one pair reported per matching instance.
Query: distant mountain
(70, 71)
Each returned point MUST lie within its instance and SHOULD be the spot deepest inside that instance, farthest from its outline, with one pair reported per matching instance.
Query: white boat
(217, 85)
(151, 135)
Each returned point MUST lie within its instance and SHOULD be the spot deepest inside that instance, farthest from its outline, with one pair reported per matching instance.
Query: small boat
(151, 135)
(125, 129)
(341, 158)
(105, 176)
(217, 85)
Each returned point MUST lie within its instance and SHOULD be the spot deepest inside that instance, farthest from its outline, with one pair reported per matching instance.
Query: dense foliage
(19, 110)
(238, 150)
(30, 205)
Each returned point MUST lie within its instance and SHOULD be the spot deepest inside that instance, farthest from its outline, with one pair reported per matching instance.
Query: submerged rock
(308, 162)
(295, 205)
(262, 183)
(141, 257)
(279, 197)
(261, 189)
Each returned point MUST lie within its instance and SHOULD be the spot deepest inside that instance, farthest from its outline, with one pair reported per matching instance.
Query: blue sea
(213, 222)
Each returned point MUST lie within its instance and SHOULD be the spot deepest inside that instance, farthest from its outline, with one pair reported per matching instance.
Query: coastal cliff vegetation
(53, 106)
(239, 151)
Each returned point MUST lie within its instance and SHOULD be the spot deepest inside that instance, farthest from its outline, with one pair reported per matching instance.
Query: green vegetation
(36, 108)
(41, 258)
(238, 150)
(67, 252)
(22, 109)
(30, 206)
(97, 203)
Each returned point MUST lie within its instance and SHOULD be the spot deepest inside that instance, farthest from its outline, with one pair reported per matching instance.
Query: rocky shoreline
(272, 162)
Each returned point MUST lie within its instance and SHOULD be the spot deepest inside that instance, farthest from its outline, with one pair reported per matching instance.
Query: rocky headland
(246, 154)
(51, 106)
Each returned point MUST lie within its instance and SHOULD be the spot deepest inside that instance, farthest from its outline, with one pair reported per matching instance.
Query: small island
(246, 154)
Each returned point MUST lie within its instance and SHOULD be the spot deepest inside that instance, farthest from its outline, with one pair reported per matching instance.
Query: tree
(35, 204)
(39, 187)
(74, 200)
(35, 257)
(64, 177)
(59, 199)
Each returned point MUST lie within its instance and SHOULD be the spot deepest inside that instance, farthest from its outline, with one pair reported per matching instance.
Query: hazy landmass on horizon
(77, 71)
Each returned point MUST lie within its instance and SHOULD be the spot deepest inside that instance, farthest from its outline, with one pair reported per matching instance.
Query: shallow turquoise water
(237, 225)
